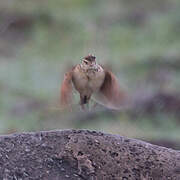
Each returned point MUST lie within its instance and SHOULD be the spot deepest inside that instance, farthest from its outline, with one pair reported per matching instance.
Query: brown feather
(110, 93)
(66, 91)
(102, 83)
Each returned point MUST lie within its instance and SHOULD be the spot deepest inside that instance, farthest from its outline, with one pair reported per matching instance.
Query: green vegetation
(136, 38)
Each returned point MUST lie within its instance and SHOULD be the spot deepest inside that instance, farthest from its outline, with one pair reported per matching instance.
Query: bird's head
(89, 62)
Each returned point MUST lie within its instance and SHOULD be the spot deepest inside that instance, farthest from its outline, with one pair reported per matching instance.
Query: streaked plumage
(89, 78)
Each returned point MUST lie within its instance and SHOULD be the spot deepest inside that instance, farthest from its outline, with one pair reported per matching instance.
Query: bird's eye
(85, 62)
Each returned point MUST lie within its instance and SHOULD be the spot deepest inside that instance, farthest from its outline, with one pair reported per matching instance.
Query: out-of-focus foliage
(140, 40)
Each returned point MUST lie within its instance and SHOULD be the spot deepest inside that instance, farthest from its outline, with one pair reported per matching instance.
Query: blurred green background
(140, 40)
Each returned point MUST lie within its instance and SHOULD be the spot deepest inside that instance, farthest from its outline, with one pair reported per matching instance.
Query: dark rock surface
(84, 155)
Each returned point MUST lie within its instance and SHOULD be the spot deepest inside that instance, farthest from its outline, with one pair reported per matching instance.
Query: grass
(74, 29)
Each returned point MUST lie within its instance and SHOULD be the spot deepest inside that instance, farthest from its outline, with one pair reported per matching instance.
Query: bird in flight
(91, 79)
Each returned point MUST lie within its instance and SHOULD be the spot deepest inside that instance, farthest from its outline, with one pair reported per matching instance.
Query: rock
(84, 155)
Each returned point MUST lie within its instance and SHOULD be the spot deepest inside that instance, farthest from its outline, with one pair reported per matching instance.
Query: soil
(84, 155)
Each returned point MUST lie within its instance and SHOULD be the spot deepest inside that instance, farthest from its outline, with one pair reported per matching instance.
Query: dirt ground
(82, 154)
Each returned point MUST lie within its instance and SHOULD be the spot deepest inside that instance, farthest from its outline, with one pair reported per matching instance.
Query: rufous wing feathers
(66, 91)
(110, 93)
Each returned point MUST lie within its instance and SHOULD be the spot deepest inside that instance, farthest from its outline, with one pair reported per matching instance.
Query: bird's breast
(90, 80)
(95, 80)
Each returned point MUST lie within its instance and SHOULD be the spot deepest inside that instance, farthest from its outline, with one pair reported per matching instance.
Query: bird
(91, 79)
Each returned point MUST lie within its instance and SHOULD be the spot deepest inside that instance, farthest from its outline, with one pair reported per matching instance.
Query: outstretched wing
(66, 91)
(110, 93)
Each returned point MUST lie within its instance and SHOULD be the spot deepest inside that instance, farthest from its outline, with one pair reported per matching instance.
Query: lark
(91, 79)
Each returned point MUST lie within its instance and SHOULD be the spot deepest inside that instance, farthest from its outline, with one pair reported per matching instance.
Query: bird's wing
(66, 90)
(110, 93)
